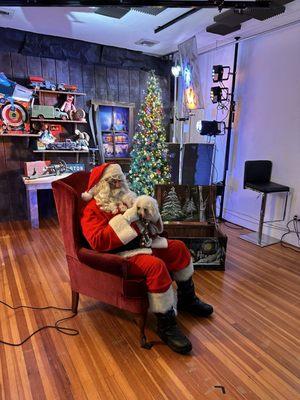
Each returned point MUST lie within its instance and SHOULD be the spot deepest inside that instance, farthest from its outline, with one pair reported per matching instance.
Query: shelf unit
(77, 152)
(19, 135)
(59, 92)
(50, 97)
(58, 121)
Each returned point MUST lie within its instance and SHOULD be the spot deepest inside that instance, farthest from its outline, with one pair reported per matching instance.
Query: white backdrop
(267, 123)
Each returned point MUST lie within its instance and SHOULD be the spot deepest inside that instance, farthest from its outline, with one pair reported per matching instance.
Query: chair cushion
(267, 187)
(106, 262)
(135, 288)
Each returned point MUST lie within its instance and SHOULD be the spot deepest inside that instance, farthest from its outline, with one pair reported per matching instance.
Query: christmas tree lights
(149, 153)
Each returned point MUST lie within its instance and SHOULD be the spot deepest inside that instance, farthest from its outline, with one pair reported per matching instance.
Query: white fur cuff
(162, 302)
(122, 229)
(135, 252)
(159, 243)
(184, 274)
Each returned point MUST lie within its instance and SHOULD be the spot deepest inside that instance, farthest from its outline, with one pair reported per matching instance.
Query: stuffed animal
(69, 106)
(82, 140)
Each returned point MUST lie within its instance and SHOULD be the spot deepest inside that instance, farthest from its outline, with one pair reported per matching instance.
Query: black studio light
(210, 128)
(218, 73)
(218, 94)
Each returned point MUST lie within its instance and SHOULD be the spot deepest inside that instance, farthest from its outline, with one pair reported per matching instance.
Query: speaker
(173, 157)
(197, 163)
(265, 13)
(221, 29)
(231, 18)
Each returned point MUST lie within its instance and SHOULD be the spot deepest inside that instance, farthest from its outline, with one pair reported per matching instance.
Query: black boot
(188, 301)
(170, 333)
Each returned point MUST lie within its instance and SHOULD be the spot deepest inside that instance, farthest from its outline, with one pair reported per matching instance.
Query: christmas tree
(171, 208)
(189, 208)
(149, 153)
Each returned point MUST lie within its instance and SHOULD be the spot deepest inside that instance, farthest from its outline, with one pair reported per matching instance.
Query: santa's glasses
(115, 178)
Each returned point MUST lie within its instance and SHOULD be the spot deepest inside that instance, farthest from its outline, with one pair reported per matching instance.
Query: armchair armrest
(105, 262)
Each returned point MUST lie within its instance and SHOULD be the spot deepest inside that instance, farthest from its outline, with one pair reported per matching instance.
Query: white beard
(114, 200)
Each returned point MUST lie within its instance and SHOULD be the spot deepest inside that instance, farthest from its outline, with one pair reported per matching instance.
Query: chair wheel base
(265, 239)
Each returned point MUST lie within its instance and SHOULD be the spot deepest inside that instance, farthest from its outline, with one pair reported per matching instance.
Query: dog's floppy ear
(159, 223)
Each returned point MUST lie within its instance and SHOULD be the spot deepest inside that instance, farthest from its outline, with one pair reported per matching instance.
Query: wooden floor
(250, 346)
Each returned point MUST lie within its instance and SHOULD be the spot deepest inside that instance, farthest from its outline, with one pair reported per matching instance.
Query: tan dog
(147, 209)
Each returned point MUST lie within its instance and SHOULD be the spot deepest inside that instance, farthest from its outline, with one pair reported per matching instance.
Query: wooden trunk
(206, 242)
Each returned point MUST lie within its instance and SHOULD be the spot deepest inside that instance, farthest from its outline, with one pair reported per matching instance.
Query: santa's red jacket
(107, 232)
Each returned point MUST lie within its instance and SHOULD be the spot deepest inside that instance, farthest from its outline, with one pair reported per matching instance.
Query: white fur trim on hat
(112, 169)
(86, 196)
(162, 302)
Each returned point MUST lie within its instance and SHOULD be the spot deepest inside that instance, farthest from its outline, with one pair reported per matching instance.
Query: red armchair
(99, 275)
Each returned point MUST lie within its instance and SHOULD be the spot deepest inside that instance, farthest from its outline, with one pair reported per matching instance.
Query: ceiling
(82, 23)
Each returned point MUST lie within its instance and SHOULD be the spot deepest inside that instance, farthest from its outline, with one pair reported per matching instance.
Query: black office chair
(257, 177)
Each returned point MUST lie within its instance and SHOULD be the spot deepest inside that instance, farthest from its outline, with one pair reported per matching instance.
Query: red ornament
(158, 171)
(148, 158)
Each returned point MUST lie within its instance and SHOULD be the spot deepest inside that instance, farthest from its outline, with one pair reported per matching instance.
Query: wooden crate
(204, 239)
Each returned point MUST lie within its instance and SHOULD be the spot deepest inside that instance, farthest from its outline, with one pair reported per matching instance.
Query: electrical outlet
(296, 218)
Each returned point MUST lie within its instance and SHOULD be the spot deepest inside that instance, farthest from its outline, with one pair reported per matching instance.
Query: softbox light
(209, 128)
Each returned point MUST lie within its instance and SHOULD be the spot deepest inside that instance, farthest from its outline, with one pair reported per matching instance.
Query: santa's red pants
(156, 267)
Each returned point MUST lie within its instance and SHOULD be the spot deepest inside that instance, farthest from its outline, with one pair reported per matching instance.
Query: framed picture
(186, 202)
(117, 125)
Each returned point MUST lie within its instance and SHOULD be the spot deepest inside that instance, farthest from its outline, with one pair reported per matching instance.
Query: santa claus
(112, 221)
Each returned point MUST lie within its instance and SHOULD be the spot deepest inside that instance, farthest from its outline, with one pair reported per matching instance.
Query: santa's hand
(131, 215)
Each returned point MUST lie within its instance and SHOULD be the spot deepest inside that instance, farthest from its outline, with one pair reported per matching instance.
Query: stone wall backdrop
(100, 82)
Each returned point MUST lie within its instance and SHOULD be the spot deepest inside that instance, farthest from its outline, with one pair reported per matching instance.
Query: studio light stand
(176, 71)
(229, 129)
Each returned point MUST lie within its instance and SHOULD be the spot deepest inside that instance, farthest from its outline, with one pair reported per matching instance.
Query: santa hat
(104, 171)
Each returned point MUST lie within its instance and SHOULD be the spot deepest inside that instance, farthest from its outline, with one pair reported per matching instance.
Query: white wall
(267, 123)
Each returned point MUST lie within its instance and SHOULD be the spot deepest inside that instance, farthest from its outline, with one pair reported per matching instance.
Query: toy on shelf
(48, 112)
(68, 144)
(46, 138)
(66, 88)
(79, 115)
(12, 91)
(68, 106)
(38, 82)
(82, 140)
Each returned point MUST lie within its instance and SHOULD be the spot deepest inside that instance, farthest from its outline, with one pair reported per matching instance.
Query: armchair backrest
(257, 171)
(67, 196)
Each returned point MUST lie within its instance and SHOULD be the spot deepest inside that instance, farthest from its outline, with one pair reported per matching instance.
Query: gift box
(121, 145)
(32, 168)
(108, 145)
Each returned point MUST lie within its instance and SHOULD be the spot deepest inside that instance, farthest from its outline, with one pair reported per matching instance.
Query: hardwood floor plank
(250, 346)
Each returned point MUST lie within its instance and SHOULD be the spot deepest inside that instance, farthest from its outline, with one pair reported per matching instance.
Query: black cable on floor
(230, 225)
(295, 230)
(62, 329)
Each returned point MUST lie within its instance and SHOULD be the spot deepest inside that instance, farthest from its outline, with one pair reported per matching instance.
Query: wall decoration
(114, 122)
(192, 92)
(186, 202)
(14, 104)
(207, 252)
